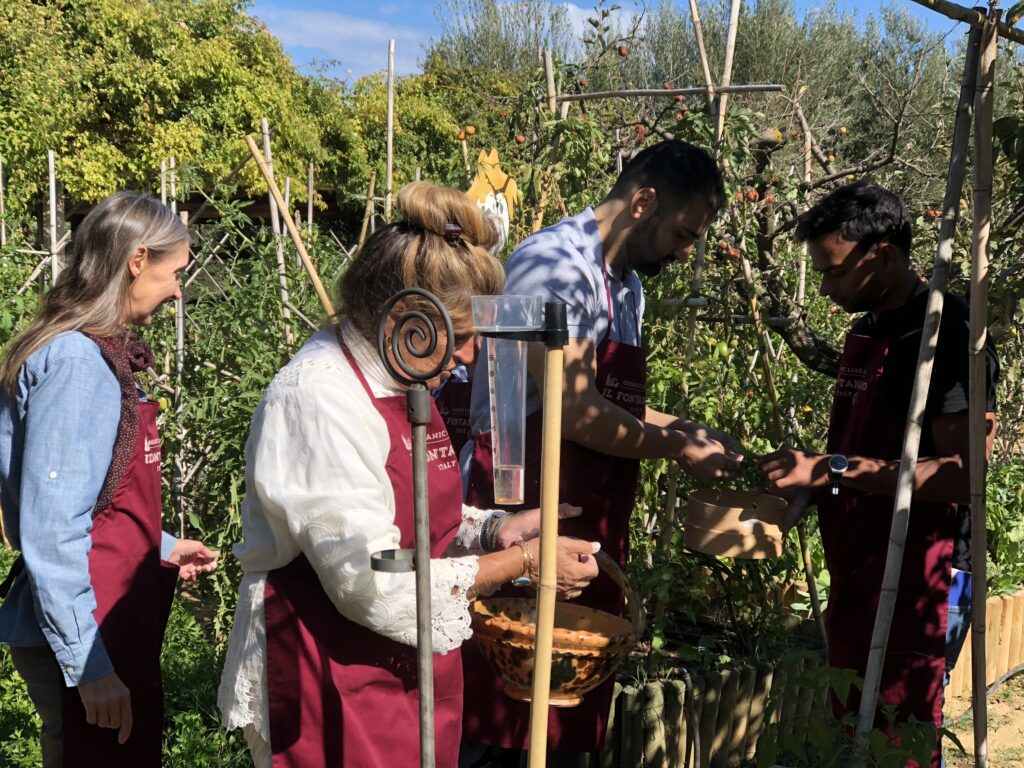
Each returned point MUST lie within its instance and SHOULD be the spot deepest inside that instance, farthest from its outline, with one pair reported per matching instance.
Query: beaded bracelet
(489, 530)
(530, 575)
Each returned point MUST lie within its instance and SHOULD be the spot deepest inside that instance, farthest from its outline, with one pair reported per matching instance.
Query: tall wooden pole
(174, 187)
(546, 590)
(668, 518)
(178, 490)
(389, 170)
(163, 182)
(310, 193)
(722, 100)
(56, 262)
(275, 224)
(919, 396)
(3, 213)
(289, 223)
(549, 80)
(978, 406)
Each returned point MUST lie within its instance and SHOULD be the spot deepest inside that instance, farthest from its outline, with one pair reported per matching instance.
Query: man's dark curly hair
(861, 212)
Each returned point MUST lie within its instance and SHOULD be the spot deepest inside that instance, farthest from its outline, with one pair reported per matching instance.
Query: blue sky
(353, 36)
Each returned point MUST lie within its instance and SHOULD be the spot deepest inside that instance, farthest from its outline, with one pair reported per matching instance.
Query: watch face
(838, 463)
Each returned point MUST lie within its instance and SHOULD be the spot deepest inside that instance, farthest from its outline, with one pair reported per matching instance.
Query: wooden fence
(1004, 644)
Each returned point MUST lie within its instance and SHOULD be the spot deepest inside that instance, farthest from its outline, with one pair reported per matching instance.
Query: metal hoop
(423, 330)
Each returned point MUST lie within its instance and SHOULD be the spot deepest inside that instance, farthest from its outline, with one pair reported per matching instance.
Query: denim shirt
(57, 436)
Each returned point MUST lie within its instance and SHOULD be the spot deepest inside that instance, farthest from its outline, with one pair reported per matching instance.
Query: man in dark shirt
(859, 240)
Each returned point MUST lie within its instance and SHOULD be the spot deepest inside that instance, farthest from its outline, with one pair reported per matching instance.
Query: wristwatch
(837, 465)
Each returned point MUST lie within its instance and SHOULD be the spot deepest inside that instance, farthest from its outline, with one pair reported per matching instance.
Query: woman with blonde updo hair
(321, 664)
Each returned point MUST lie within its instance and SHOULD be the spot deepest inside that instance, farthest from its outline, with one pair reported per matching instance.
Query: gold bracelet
(529, 567)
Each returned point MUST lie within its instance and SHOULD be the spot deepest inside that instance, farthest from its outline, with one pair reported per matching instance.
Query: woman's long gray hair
(91, 292)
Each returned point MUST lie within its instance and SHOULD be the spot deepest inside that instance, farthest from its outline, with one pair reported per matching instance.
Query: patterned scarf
(125, 353)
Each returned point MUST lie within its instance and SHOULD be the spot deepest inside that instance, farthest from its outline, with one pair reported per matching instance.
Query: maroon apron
(855, 533)
(453, 403)
(605, 487)
(134, 589)
(341, 694)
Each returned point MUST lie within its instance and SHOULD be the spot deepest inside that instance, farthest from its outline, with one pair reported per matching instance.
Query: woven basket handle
(637, 614)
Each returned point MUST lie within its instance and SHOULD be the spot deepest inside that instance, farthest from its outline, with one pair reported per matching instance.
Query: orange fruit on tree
(470, 130)
(520, 139)
(462, 135)
(623, 51)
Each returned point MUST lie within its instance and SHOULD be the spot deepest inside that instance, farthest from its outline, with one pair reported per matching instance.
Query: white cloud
(389, 9)
(359, 45)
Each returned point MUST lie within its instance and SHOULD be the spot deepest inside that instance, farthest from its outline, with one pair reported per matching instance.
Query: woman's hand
(192, 558)
(108, 704)
(575, 567)
(525, 525)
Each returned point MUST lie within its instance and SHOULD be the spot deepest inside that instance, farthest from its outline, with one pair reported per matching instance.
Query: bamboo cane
(722, 99)
(549, 80)
(56, 263)
(977, 409)
(672, 490)
(388, 171)
(554, 361)
(926, 354)
(632, 93)
(3, 214)
(368, 213)
(174, 188)
(163, 182)
(177, 484)
(275, 225)
(290, 224)
(309, 203)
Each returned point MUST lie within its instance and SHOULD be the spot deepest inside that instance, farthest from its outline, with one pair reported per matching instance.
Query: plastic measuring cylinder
(506, 385)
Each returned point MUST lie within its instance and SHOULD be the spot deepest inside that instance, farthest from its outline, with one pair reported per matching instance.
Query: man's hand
(108, 704)
(192, 558)
(525, 525)
(788, 468)
(710, 454)
(799, 500)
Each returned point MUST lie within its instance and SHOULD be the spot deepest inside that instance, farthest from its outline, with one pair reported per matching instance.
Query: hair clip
(452, 234)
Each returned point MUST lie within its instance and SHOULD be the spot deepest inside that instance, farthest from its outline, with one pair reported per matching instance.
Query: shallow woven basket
(745, 524)
(587, 645)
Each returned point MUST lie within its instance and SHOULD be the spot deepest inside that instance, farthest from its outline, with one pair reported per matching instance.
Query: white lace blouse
(316, 484)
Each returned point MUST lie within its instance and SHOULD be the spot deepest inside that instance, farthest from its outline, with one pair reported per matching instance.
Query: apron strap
(355, 366)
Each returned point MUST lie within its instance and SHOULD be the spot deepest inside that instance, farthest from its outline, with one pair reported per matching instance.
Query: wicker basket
(587, 645)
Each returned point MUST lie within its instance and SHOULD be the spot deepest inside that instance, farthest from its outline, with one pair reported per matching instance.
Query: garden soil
(1005, 728)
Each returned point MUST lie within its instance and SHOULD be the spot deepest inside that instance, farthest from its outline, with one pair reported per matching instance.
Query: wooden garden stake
(3, 218)
(174, 188)
(549, 80)
(290, 224)
(163, 182)
(388, 171)
(978, 456)
(919, 396)
(177, 489)
(418, 172)
(554, 361)
(275, 224)
(56, 261)
(310, 192)
(730, 49)
(368, 213)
